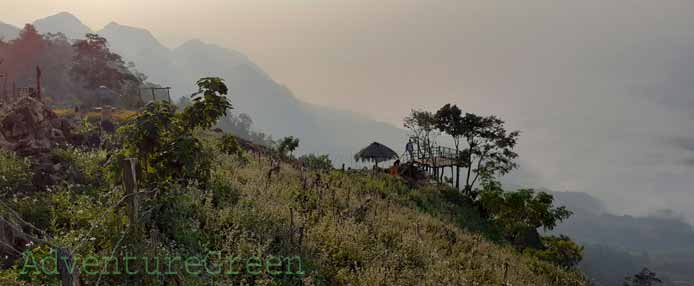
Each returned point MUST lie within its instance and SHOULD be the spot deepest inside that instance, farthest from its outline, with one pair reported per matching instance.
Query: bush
(15, 173)
(559, 250)
(316, 162)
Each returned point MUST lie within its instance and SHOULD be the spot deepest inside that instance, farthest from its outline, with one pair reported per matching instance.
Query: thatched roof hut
(375, 152)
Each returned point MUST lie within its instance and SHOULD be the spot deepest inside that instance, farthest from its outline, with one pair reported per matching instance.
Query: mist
(601, 90)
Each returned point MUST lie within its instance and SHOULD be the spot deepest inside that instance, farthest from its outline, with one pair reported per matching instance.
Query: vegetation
(489, 151)
(241, 125)
(287, 144)
(71, 74)
(316, 162)
(15, 174)
(643, 278)
(197, 194)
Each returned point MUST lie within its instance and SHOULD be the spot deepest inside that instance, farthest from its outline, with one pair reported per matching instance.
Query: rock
(29, 128)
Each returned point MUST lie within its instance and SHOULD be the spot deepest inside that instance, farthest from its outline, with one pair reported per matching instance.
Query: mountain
(273, 106)
(146, 52)
(620, 245)
(8, 32)
(63, 22)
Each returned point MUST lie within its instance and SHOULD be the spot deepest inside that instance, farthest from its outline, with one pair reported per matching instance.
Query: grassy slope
(360, 229)
(394, 235)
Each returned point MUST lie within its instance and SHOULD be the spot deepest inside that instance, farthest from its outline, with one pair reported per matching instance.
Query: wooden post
(129, 166)
(505, 273)
(291, 226)
(38, 82)
(69, 275)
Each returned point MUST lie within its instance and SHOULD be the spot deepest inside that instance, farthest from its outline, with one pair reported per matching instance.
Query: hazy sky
(603, 91)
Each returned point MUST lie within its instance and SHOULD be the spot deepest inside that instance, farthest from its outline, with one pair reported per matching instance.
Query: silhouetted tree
(489, 151)
(449, 120)
(98, 66)
(559, 250)
(643, 278)
(519, 214)
(422, 124)
(287, 144)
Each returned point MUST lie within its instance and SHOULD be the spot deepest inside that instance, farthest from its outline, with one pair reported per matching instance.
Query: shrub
(15, 173)
(316, 162)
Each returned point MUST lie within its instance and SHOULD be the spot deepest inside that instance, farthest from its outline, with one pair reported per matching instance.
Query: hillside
(160, 184)
(8, 32)
(349, 228)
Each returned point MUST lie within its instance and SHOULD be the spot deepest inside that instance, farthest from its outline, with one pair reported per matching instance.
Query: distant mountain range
(617, 246)
(8, 31)
(273, 107)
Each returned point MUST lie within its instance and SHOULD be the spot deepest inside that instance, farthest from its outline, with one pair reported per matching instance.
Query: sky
(602, 90)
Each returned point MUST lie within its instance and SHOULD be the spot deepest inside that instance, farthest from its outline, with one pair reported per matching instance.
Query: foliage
(15, 173)
(287, 144)
(316, 162)
(449, 120)
(561, 251)
(489, 147)
(643, 278)
(241, 125)
(355, 229)
(98, 66)
(422, 125)
(164, 141)
(519, 214)
(210, 104)
(71, 74)
(229, 146)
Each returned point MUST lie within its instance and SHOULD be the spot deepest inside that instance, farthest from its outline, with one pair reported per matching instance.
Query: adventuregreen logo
(212, 264)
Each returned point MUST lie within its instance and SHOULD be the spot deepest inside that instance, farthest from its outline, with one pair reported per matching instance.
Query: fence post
(129, 166)
(68, 276)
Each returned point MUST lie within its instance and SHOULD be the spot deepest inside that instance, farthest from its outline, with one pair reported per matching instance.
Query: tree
(210, 103)
(559, 250)
(287, 144)
(449, 120)
(316, 162)
(164, 141)
(98, 66)
(489, 151)
(643, 278)
(519, 214)
(422, 124)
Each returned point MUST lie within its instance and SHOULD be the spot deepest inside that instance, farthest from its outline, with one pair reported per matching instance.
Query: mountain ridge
(63, 22)
(8, 32)
(272, 105)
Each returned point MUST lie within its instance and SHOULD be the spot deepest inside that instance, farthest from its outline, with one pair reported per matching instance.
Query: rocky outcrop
(28, 127)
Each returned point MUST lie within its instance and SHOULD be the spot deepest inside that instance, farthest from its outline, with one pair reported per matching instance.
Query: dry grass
(364, 230)
(118, 114)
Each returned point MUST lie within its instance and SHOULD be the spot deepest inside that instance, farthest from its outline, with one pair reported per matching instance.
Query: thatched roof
(375, 152)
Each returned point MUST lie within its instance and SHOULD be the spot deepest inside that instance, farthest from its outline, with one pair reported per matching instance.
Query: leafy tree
(209, 104)
(643, 278)
(519, 214)
(229, 146)
(422, 124)
(489, 150)
(559, 250)
(316, 162)
(449, 120)
(164, 140)
(287, 144)
(98, 66)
